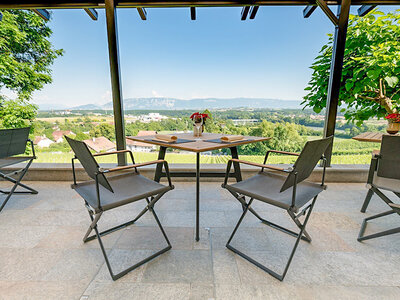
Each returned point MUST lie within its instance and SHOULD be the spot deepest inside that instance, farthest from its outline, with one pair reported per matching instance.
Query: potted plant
(199, 120)
(393, 123)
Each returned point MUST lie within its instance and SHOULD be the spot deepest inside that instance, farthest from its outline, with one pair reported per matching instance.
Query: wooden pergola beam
(193, 13)
(365, 9)
(54, 4)
(43, 13)
(142, 13)
(324, 6)
(244, 13)
(92, 13)
(253, 11)
(307, 12)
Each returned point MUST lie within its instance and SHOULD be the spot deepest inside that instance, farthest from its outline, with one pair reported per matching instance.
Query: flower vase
(393, 127)
(198, 126)
(198, 130)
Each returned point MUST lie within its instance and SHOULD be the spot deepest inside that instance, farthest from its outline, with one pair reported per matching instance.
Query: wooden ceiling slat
(25, 4)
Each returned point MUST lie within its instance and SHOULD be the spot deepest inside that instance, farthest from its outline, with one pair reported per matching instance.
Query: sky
(218, 55)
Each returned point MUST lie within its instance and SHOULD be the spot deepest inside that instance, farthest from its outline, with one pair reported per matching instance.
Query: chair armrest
(117, 152)
(284, 152)
(394, 205)
(132, 166)
(259, 165)
(159, 161)
(112, 152)
(376, 153)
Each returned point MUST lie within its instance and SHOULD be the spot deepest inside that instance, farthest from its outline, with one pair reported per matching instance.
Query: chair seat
(9, 161)
(384, 183)
(127, 188)
(265, 186)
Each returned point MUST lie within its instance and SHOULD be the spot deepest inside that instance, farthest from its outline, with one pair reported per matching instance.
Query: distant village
(102, 144)
(97, 144)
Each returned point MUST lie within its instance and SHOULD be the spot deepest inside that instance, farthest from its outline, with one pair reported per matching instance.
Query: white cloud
(155, 94)
(106, 97)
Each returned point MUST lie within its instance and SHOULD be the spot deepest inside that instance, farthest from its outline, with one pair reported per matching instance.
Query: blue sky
(171, 56)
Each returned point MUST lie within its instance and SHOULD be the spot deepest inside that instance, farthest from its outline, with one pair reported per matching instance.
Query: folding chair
(384, 175)
(289, 192)
(13, 142)
(105, 193)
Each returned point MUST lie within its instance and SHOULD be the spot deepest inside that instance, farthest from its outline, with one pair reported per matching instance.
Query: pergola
(249, 9)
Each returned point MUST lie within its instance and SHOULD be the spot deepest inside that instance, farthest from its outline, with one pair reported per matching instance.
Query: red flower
(198, 116)
(393, 117)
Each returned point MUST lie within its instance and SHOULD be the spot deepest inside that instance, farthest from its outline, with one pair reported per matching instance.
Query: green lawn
(346, 151)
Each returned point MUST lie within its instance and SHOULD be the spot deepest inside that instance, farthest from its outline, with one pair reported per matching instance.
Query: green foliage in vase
(370, 80)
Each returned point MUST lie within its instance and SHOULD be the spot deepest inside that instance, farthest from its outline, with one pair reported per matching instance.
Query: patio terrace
(43, 256)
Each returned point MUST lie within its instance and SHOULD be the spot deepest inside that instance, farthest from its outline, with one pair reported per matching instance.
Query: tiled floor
(42, 255)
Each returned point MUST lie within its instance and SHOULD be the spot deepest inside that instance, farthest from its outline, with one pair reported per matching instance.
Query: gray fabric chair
(105, 193)
(12, 143)
(291, 193)
(384, 174)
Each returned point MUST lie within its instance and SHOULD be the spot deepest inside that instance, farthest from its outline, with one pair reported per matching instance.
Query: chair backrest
(306, 162)
(88, 162)
(13, 141)
(389, 158)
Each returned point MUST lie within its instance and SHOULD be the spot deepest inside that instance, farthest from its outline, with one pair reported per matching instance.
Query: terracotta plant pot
(393, 127)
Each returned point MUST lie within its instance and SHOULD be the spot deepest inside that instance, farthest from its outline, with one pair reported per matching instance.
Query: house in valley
(42, 141)
(140, 146)
(100, 144)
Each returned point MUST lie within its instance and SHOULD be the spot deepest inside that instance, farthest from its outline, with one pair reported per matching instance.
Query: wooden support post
(112, 34)
(335, 77)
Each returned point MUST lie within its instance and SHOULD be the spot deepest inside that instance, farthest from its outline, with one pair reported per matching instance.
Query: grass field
(173, 158)
(345, 152)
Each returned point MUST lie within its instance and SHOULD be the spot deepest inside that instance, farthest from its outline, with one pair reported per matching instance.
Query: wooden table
(374, 137)
(197, 146)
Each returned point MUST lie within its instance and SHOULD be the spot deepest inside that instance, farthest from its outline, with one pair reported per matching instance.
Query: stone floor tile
(202, 292)
(151, 238)
(76, 264)
(180, 266)
(224, 267)
(43, 256)
(121, 259)
(40, 290)
(27, 264)
(356, 292)
(140, 291)
(17, 236)
(261, 292)
(70, 237)
(19, 201)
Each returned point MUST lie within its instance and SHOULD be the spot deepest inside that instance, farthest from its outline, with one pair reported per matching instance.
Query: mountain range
(178, 104)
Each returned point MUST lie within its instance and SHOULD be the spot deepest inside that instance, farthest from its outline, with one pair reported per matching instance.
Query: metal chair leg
(88, 238)
(16, 183)
(93, 226)
(305, 237)
(361, 236)
(253, 261)
(367, 200)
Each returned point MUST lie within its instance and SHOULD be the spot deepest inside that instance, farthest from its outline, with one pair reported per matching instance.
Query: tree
(370, 82)
(16, 113)
(103, 129)
(26, 55)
